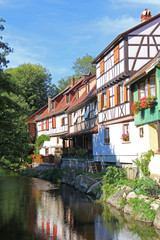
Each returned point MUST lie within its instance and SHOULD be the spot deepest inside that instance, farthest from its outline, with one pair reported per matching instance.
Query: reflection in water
(33, 209)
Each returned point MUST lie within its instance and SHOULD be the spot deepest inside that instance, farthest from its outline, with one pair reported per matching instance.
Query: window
(141, 132)
(111, 99)
(106, 136)
(101, 66)
(53, 105)
(116, 54)
(46, 151)
(62, 121)
(88, 88)
(125, 132)
(67, 98)
(86, 112)
(121, 93)
(96, 109)
(147, 87)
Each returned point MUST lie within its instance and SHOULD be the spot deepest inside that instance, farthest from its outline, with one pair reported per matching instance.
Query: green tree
(63, 83)
(14, 138)
(4, 48)
(83, 65)
(34, 84)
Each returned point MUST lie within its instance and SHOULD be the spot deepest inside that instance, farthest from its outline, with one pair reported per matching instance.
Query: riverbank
(140, 198)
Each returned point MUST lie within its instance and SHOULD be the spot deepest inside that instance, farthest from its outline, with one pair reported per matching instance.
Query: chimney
(72, 82)
(49, 103)
(145, 15)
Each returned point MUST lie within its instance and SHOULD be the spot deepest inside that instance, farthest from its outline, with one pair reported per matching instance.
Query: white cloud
(108, 26)
(142, 1)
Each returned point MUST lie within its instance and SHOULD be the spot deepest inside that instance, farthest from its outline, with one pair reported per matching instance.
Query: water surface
(34, 209)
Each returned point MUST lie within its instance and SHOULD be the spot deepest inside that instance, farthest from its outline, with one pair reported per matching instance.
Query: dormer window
(116, 54)
(88, 88)
(53, 105)
(67, 98)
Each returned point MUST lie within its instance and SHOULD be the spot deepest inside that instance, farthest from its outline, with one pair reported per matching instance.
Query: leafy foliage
(146, 186)
(39, 142)
(144, 161)
(34, 84)
(83, 65)
(4, 48)
(143, 208)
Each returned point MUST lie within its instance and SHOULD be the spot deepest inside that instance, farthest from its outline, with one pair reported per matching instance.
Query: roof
(121, 36)
(76, 103)
(60, 108)
(144, 70)
(87, 131)
(33, 116)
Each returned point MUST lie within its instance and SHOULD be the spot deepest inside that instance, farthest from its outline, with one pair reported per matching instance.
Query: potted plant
(125, 137)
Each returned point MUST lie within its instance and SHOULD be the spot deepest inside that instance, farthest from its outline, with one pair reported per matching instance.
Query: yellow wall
(153, 137)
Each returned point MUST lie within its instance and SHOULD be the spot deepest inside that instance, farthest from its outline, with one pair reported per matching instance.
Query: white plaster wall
(117, 150)
(52, 144)
(154, 165)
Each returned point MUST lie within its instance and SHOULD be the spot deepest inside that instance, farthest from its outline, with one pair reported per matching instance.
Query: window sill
(106, 143)
(125, 142)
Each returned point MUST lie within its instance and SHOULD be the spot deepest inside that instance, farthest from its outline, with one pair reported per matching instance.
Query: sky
(54, 33)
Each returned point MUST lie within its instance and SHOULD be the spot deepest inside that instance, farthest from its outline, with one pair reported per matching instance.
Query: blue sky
(54, 33)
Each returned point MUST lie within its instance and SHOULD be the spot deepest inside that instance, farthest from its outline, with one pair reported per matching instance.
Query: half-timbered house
(123, 57)
(54, 122)
(31, 120)
(145, 88)
(82, 115)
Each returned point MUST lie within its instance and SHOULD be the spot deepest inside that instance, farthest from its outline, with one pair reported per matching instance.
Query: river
(34, 209)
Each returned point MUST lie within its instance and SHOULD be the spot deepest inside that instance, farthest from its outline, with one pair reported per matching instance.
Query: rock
(83, 187)
(115, 199)
(130, 196)
(127, 209)
(132, 173)
(140, 197)
(139, 217)
(129, 189)
(77, 182)
(124, 195)
(98, 195)
(157, 220)
(155, 205)
(94, 188)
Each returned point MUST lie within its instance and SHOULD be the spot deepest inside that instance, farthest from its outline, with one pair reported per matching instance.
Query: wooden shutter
(102, 66)
(42, 126)
(61, 121)
(125, 94)
(116, 54)
(47, 124)
(115, 95)
(100, 102)
(53, 122)
(108, 98)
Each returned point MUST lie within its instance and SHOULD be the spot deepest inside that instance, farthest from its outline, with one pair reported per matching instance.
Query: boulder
(139, 217)
(132, 173)
(130, 196)
(115, 199)
(83, 187)
(157, 220)
(127, 209)
(155, 205)
(93, 190)
(77, 182)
